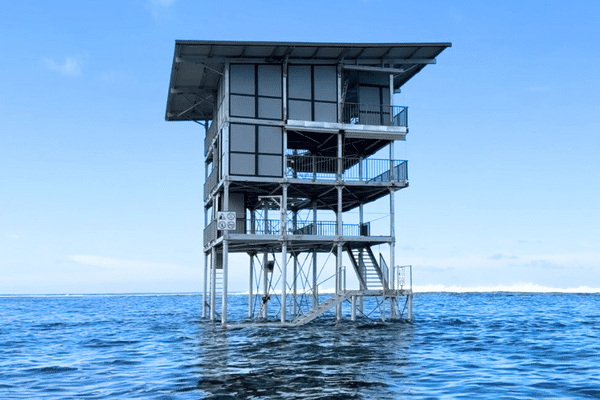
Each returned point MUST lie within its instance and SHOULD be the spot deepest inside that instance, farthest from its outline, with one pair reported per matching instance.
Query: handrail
(309, 167)
(211, 183)
(210, 134)
(374, 114)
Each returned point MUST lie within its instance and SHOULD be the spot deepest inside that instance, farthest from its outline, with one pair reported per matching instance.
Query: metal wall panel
(269, 108)
(299, 110)
(241, 79)
(242, 164)
(269, 165)
(270, 139)
(325, 112)
(325, 84)
(299, 82)
(242, 106)
(242, 138)
(269, 80)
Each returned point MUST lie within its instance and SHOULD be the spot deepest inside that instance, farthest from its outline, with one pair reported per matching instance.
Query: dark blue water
(490, 345)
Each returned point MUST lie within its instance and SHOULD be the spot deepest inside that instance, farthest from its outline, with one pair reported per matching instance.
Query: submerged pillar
(213, 282)
(265, 299)
(205, 286)
(251, 286)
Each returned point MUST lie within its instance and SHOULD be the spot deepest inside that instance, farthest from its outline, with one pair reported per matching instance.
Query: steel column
(213, 282)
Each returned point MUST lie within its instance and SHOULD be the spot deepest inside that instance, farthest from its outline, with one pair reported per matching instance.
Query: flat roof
(198, 65)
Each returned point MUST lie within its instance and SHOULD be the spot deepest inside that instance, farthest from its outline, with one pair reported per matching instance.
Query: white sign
(226, 220)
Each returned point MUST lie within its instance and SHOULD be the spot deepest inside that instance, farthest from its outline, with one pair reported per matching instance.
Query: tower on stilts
(299, 142)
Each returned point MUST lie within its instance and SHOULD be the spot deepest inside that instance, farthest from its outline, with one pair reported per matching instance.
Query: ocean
(460, 345)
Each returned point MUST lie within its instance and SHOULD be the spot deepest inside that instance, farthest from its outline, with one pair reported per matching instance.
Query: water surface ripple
(467, 345)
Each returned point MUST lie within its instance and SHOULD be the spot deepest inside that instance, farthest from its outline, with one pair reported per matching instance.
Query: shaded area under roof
(198, 65)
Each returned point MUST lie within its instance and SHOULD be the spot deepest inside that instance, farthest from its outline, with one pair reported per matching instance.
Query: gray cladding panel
(269, 108)
(269, 80)
(242, 138)
(299, 110)
(269, 165)
(325, 87)
(242, 106)
(299, 82)
(270, 139)
(242, 79)
(325, 112)
(242, 164)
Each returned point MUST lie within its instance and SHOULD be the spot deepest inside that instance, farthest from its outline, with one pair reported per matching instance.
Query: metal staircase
(372, 276)
(320, 309)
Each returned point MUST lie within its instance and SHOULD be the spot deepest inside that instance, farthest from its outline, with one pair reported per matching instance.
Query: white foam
(514, 288)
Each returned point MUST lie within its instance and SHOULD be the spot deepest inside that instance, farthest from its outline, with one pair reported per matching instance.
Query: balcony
(273, 227)
(318, 168)
(378, 114)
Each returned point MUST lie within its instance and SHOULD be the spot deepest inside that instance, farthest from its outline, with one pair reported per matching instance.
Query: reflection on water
(486, 345)
(320, 360)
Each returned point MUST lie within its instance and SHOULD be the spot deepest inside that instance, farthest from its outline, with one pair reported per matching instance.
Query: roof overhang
(198, 66)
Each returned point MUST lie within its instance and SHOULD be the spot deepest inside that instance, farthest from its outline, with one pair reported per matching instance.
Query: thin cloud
(123, 264)
(70, 67)
(114, 76)
(158, 7)
(500, 256)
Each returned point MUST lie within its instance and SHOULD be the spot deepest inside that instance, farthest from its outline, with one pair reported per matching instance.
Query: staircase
(368, 270)
(320, 309)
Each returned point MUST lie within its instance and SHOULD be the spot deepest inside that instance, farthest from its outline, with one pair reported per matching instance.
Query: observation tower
(299, 142)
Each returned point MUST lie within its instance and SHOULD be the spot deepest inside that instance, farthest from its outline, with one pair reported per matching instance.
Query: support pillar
(225, 257)
(213, 282)
(265, 300)
(251, 286)
(283, 228)
(205, 286)
(314, 261)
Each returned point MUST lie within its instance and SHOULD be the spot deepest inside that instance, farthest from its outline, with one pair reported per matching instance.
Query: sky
(99, 194)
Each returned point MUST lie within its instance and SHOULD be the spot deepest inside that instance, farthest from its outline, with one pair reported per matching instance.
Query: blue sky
(99, 194)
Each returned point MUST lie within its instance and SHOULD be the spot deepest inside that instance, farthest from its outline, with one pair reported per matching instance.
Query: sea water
(460, 345)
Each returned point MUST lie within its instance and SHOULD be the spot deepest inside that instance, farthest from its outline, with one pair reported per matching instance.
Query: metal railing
(321, 228)
(403, 277)
(210, 232)
(385, 271)
(354, 169)
(212, 131)
(374, 114)
(211, 183)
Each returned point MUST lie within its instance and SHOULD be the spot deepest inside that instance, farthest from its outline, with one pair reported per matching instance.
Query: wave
(514, 288)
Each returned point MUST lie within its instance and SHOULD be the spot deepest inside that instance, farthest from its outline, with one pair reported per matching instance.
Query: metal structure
(295, 134)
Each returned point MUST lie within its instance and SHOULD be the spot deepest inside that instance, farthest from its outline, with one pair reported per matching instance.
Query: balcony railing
(211, 183)
(354, 169)
(378, 114)
(321, 228)
(212, 131)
